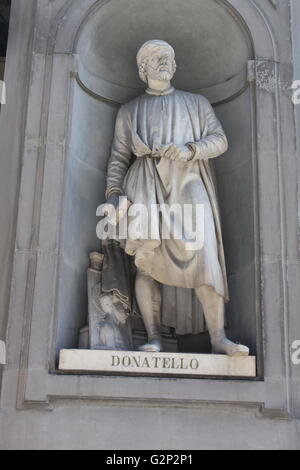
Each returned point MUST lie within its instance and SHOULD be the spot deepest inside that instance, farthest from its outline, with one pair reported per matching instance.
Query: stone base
(141, 363)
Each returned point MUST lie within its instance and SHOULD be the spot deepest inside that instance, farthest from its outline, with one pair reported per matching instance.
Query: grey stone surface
(12, 118)
(187, 428)
(34, 138)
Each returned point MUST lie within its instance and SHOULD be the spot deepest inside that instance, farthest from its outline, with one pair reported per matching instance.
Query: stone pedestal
(132, 362)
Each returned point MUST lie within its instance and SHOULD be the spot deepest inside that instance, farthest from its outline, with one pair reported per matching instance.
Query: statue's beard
(164, 76)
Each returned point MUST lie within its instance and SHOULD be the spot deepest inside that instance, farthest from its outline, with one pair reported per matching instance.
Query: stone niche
(78, 75)
(213, 49)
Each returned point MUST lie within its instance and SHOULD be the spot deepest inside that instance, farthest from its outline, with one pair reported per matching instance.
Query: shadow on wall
(4, 25)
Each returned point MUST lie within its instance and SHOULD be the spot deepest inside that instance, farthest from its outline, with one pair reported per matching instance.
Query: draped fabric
(143, 126)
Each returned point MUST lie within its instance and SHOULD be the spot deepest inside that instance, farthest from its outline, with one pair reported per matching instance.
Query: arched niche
(213, 47)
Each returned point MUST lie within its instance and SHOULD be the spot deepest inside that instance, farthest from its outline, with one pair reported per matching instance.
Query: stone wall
(49, 176)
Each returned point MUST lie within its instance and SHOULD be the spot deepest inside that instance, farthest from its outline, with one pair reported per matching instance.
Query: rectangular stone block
(146, 363)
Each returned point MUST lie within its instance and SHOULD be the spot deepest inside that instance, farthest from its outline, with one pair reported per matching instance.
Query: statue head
(156, 60)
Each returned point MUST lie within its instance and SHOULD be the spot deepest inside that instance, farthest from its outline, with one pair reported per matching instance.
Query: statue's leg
(148, 295)
(214, 312)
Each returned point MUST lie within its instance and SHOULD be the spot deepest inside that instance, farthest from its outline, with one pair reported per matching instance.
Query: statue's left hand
(181, 153)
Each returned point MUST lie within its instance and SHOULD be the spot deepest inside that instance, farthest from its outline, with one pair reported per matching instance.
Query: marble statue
(162, 145)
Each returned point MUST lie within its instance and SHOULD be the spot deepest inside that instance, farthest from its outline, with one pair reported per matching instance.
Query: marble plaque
(146, 363)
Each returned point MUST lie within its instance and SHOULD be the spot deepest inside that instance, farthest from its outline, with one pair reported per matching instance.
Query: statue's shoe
(231, 349)
(155, 345)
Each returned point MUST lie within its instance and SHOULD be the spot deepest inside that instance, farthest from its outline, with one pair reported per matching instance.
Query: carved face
(113, 308)
(160, 66)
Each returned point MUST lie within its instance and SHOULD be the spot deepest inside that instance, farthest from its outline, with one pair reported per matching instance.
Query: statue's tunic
(143, 126)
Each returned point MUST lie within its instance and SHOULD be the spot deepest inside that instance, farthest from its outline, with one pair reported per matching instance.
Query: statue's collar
(150, 91)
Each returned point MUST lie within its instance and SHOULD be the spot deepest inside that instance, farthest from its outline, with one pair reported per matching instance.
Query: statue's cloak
(143, 126)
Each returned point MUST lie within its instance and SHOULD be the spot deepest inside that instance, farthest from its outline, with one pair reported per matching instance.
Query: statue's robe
(143, 126)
